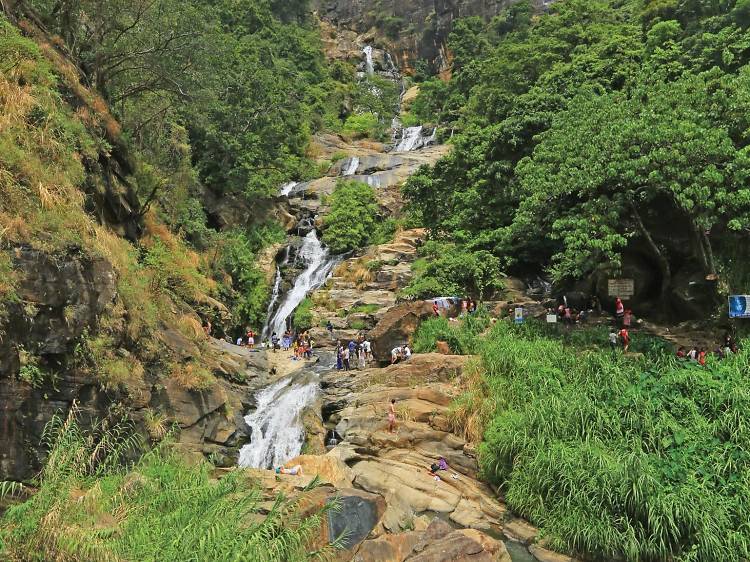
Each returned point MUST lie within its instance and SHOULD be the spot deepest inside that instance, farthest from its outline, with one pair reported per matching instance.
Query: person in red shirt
(625, 339)
(702, 357)
(435, 308)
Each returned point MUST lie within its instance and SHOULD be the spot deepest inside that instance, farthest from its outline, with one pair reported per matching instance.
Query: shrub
(362, 125)
(448, 269)
(462, 336)
(352, 217)
(303, 318)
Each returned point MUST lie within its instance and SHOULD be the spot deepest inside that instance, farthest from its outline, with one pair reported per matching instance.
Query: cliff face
(413, 30)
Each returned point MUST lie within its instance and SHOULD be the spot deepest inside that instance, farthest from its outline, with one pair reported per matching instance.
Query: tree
(352, 219)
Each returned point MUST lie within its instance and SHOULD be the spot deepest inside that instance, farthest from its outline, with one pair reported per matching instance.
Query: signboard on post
(623, 288)
(518, 315)
(739, 306)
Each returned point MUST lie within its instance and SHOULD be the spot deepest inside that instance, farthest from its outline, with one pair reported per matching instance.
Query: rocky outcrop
(59, 297)
(411, 30)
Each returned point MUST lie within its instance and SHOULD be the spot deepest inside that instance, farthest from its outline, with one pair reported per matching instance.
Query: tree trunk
(698, 246)
(661, 259)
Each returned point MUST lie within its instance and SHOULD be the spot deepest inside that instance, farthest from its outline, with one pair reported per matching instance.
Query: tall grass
(462, 335)
(643, 459)
(89, 508)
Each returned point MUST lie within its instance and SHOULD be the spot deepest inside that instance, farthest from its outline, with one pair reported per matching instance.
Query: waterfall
(368, 60)
(412, 139)
(351, 167)
(287, 188)
(277, 430)
(275, 293)
(318, 264)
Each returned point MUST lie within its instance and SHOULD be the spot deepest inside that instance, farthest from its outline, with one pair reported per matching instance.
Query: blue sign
(739, 306)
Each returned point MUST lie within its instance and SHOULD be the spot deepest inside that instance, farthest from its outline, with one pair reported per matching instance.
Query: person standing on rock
(361, 355)
(329, 327)
(436, 308)
(339, 355)
(619, 310)
(392, 415)
(345, 358)
(367, 346)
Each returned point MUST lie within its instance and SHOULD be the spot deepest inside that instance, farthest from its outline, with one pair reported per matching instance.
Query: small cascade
(275, 293)
(351, 167)
(287, 188)
(413, 138)
(369, 64)
(277, 430)
(318, 265)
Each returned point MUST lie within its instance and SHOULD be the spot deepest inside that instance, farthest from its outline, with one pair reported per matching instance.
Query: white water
(278, 433)
(287, 188)
(318, 265)
(412, 138)
(351, 167)
(368, 60)
(275, 293)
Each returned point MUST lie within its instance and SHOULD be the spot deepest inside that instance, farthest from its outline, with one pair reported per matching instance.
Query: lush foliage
(87, 507)
(353, 217)
(645, 459)
(445, 269)
(581, 131)
(461, 336)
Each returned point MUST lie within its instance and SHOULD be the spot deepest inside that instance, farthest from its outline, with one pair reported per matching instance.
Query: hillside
(265, 263)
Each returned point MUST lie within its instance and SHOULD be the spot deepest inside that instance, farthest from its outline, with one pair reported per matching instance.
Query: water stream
(318, 265)
(369, 64)
(277, 429)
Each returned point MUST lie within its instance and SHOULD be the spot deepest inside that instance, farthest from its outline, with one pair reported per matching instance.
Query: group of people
(698, 354)
(354, 354)
(248, 340)
(400, 353)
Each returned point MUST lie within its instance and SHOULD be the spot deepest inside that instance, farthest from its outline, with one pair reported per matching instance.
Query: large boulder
(396, 327)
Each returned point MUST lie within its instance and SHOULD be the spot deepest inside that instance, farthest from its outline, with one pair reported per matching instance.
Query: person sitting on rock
(294, 471)
(406, 352)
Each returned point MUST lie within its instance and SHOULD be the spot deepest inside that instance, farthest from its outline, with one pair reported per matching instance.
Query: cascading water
(287, 188)
(277, 430)
(275, 292)
(351, 167)
(412, 138)
(369, 64)
(319, 264)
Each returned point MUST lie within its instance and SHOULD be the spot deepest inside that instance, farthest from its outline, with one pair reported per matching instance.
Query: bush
(362, 125)
(303, 318)
(352, 218)
(643, 459)
(448, 269)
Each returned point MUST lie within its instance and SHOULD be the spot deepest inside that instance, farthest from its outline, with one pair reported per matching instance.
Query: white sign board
(623, 288)
(552, 319)
(518, 315)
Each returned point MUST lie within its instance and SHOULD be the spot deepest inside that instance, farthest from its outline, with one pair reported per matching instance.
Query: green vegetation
(581, 132)
(613, 456)
(461, 336)
(352, 222)
(88, 507)
(303, 317)
(446, 269)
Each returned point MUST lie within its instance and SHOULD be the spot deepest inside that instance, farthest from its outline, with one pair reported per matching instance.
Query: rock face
(413, 30)
(62, 296)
